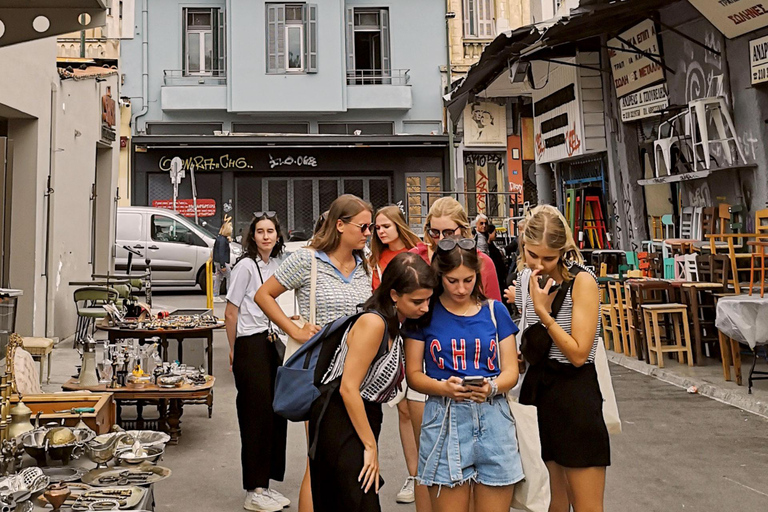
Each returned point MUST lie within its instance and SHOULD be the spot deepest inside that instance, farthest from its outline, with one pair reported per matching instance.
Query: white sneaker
(282, 500)
(219, 299)
(406, 494)
(261, 502)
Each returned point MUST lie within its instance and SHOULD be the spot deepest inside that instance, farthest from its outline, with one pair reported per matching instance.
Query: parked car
(177, 247)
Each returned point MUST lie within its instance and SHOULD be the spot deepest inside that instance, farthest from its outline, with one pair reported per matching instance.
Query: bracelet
(494, 388)
(553, 322)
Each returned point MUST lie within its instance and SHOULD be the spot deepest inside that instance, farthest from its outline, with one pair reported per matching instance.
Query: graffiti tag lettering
(306, 161)
(572, 141)
(202, 163)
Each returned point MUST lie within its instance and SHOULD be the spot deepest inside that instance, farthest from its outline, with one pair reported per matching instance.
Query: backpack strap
(334, 385)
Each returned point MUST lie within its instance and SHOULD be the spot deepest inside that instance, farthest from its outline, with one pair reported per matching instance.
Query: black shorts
(570, 408)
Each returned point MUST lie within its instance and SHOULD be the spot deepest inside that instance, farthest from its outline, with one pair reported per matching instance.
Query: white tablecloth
(744, 318)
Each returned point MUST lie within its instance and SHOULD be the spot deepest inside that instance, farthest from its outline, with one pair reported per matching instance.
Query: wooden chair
(761, 222)
(610, 334)
(620, 308)
(638, 294)
(682, 342)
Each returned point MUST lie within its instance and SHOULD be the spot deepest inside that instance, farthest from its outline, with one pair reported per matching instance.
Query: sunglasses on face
(436, 233)
(449, 244)
(363, 227)
(268, 214)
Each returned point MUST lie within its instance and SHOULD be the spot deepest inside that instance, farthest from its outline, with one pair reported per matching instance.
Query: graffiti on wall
(485, 165)
(699, 195)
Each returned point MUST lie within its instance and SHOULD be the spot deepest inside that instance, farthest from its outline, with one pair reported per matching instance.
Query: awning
(289, 141)
(27, 20)
(591, 19)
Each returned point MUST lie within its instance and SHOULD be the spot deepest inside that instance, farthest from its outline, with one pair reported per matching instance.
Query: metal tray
(96, 477)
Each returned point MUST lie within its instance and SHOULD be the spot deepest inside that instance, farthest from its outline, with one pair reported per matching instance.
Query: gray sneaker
(406, 494)
(261, 502)
(282, 500)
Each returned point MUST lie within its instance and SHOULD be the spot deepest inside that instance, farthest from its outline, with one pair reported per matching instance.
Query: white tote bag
(291, 344)
(610, 408)
(533, 493)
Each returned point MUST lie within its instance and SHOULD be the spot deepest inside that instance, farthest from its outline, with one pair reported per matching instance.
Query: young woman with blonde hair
(343, 279)
(563, 386)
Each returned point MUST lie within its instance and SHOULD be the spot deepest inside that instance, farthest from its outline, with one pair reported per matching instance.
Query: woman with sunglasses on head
(345, 468)
(254, 360)
(563, 386)
(343, 278)
(465, 360)
(391, 237)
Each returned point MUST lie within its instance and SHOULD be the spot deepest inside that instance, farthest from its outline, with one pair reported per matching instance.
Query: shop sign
(299, 161)
(485, 124)
(632, 71)
(186, 207)
(645, 103)
(758, 60)
(734, 18)
(557, 120)
(204, 163)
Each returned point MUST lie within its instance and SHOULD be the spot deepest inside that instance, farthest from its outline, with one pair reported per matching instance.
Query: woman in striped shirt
(564, 386)
(371, 372)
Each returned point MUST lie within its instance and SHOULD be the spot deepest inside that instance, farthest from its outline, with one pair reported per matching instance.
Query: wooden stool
(610, 333)
(39, 348)
(656, 350)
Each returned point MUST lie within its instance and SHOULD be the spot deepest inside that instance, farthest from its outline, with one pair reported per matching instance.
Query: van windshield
(208, 230)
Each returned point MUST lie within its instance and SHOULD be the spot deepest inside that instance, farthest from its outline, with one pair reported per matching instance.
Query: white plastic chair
(703, 110)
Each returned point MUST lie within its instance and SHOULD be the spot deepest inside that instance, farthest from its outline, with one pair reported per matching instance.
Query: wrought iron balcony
(176, 77)
(378, 77)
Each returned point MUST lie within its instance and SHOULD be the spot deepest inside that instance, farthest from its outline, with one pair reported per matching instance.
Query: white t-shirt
(243, 285)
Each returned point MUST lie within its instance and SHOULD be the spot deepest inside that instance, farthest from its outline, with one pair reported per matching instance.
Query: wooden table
(173, 398)
(122, 333)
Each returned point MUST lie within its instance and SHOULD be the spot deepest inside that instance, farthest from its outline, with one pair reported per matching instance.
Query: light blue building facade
(283, 106)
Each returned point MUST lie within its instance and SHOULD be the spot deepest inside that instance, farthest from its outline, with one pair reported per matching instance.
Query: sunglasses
(363, 227)
(449, 244)
(435, 233)
(268, 214)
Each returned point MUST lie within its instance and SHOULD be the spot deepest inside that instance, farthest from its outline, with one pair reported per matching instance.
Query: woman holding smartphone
(465, 359)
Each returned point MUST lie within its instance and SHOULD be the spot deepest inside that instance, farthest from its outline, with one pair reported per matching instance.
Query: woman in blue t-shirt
(465, 359)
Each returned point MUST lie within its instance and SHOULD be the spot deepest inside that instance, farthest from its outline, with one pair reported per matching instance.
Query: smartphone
(474, 380)
(543, 279)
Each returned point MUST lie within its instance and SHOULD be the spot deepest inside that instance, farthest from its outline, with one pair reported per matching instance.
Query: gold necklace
(477, 303)
(343, 267)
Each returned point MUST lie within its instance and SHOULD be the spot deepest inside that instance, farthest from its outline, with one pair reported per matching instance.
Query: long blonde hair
(451, 208)
(408, 237)
(545, 225)
(343, 208)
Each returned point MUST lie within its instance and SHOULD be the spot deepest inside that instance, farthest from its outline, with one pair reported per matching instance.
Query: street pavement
(677, 452)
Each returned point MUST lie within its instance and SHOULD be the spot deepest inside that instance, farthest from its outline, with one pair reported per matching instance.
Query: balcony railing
(180, 77)
(378, 77)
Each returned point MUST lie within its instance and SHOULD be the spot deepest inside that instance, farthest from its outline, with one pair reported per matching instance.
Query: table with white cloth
(744, 318)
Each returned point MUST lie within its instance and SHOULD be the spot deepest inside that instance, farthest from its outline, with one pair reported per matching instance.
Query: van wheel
(201, 279)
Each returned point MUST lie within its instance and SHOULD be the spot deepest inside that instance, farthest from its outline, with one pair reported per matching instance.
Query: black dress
(338, 458)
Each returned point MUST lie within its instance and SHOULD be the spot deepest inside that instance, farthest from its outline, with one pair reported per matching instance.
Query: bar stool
(657, 349)
(642, 292)
(700, 113)
(621, 310)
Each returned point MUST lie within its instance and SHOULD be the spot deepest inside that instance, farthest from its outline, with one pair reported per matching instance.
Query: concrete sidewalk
(709, 380)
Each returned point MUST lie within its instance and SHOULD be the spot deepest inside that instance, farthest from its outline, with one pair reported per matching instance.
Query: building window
(368, 51)
(291, 38)
(478, 18)
(356, 128)
(204, 42)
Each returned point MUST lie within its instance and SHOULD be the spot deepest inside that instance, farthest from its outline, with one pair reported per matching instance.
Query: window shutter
(386, 64)
(350, 42)
(485, 19)
(467, 18)
(276, 38)
(310, 32)
(184, 41)
(221, 44)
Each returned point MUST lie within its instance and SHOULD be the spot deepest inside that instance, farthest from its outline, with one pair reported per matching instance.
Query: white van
(178, 248)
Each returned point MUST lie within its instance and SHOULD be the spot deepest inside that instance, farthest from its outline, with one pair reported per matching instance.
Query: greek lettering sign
(631, 70)
(186, 207)
(734, 17)
(645, 103)
(758, 60)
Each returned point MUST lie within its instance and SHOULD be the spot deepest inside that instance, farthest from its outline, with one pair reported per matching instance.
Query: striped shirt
(564, 316)
(382, 382)
(337, 295)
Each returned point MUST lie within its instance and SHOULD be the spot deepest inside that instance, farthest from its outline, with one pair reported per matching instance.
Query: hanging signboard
(631, 70)
(734, 18)
(758, 60)
(186, 207)
(557, 121)
(645, 103)
(485, 124)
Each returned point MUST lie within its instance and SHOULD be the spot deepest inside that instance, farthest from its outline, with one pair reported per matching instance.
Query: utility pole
(449, 15)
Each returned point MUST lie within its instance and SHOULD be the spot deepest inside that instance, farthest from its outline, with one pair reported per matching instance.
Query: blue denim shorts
(467, 441)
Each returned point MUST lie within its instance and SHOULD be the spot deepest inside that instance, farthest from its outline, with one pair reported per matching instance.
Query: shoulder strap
(560, 297)
(524, 282)
(313, 289)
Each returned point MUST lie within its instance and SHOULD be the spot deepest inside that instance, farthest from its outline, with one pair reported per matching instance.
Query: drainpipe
(48, 271)
(448, 121)
(144, 65)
